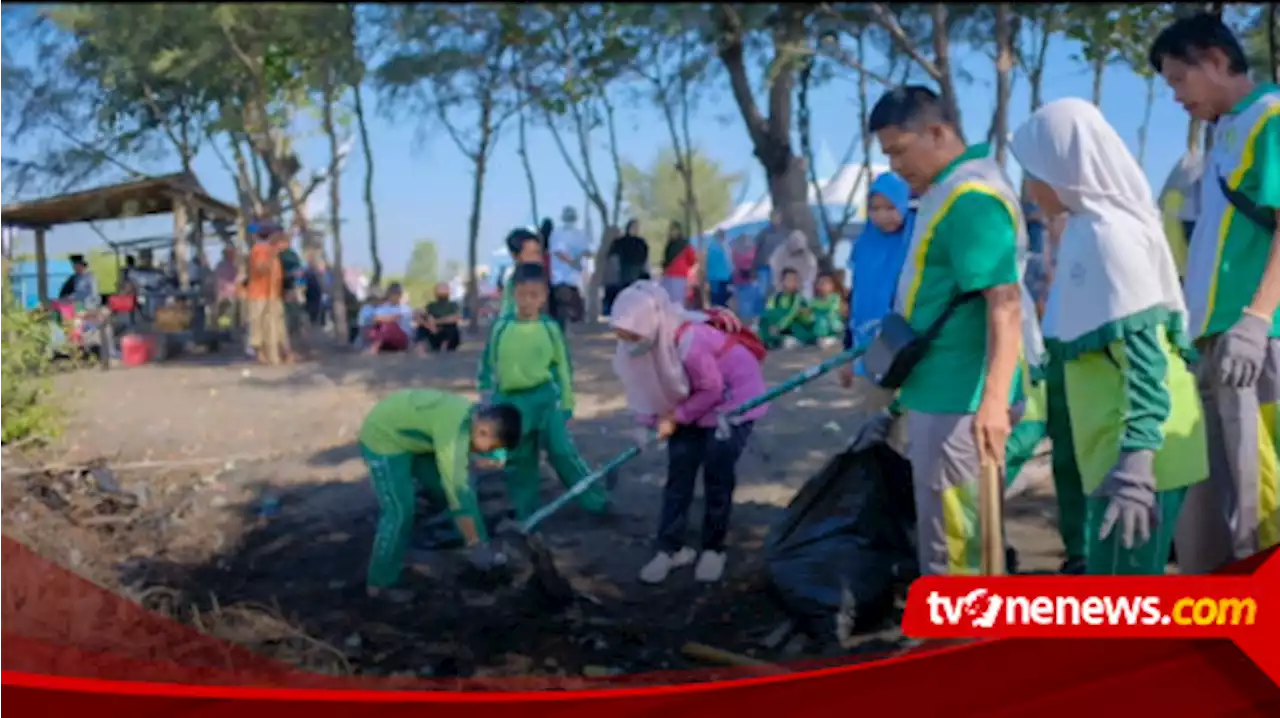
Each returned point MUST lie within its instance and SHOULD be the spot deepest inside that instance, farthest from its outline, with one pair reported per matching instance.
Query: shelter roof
(135, 198)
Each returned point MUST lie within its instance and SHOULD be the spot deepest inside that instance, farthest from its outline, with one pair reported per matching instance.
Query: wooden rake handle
(991, 518)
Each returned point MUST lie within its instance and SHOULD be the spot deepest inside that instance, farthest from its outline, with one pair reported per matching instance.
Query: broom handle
(789, 385)
(796, 381)
(991, 518)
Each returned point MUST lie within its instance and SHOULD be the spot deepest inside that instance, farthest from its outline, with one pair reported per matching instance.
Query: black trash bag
(846, 540)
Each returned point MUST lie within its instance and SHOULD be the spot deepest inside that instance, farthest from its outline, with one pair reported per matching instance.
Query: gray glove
(1131, 486)
(874, 430)
(1242, 351)
(485, 558)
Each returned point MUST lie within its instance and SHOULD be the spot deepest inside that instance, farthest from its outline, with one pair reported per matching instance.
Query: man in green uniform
(1232, 289)
(966, 251)
(526, 364)
(423, 438)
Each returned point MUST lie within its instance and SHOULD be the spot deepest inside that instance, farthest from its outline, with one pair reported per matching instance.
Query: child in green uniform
(826, 308)
(422, 439)
(526, 364)
(1115, 323)
(787, 320)
(526, 248)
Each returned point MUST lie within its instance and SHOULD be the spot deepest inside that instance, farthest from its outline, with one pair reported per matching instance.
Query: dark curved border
(69, 645)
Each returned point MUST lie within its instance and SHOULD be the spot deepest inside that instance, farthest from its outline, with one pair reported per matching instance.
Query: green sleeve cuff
(1145, 366)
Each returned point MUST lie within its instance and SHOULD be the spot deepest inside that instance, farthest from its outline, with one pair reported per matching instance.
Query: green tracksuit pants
(1067, 484)
(545, 432)
(396, 480)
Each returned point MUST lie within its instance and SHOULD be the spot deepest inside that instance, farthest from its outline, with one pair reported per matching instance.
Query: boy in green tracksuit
(526, 364)
(526, 248)
(787, 319)
(422, 439)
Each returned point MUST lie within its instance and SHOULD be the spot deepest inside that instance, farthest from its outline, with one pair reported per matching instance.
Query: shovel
(553, 586)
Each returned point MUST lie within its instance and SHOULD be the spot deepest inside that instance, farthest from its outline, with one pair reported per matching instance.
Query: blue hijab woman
(877, 257)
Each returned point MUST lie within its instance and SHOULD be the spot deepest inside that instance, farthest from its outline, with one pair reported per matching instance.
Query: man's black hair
(77, 259)
(907, 106)
(529, 272)
(789, 271)
(519, 237)
(506, 421)
(1187, 38)
(394, 288)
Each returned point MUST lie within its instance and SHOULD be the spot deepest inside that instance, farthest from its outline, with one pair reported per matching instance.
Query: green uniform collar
(1261, 89)
(972, 152)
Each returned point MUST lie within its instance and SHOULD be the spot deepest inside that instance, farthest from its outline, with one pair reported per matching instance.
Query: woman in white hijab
(1114, 322)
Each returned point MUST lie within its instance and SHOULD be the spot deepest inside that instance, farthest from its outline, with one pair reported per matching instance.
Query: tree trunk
(1144, 128)
(771, 136)
(481, 160)
(942, 59)
(335, 217)
(1099, 68)
(1004, 79)
(181, 244)
(370, 212)
(523, 150)
(864, 125)
(790, 193)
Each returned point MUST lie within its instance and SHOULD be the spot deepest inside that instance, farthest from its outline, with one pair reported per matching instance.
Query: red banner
(71, 646)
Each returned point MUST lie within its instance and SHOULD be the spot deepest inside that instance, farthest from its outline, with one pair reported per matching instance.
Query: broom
(546, 576)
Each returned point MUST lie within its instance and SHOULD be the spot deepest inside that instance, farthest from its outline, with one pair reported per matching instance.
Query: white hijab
(1113, 258)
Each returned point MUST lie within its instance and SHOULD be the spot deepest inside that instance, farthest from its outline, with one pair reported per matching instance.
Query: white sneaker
(828, 342)
(790, 342)
(710, 566)
(660, 566)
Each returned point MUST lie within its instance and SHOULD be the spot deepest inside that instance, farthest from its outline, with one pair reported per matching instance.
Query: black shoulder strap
(932, 332)
(1260, 216)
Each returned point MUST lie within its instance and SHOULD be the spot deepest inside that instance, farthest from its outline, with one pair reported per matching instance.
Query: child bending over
(680, 374)
(422, 439)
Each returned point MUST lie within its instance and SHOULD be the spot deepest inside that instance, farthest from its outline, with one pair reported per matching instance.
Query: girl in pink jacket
(679, 374)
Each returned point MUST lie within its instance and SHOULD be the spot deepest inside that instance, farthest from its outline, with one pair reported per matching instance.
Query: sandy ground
(211, 446)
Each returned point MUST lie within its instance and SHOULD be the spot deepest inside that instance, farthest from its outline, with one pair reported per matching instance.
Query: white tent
(846, 186)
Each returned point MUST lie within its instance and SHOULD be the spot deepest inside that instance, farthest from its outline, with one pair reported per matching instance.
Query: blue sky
(422, 186)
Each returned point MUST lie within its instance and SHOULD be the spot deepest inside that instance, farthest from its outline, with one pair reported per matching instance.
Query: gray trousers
(1233, 515)
(945, 465)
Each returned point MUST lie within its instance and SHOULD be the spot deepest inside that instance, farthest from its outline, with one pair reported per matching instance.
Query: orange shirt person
(265, 290)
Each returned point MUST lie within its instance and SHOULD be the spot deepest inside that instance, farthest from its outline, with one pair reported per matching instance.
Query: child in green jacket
(526, 248)
(827, 311)
(526, 364)
(422, 439)
(787, 320)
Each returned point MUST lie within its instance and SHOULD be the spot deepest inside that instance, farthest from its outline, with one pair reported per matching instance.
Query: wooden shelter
(179, 194)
